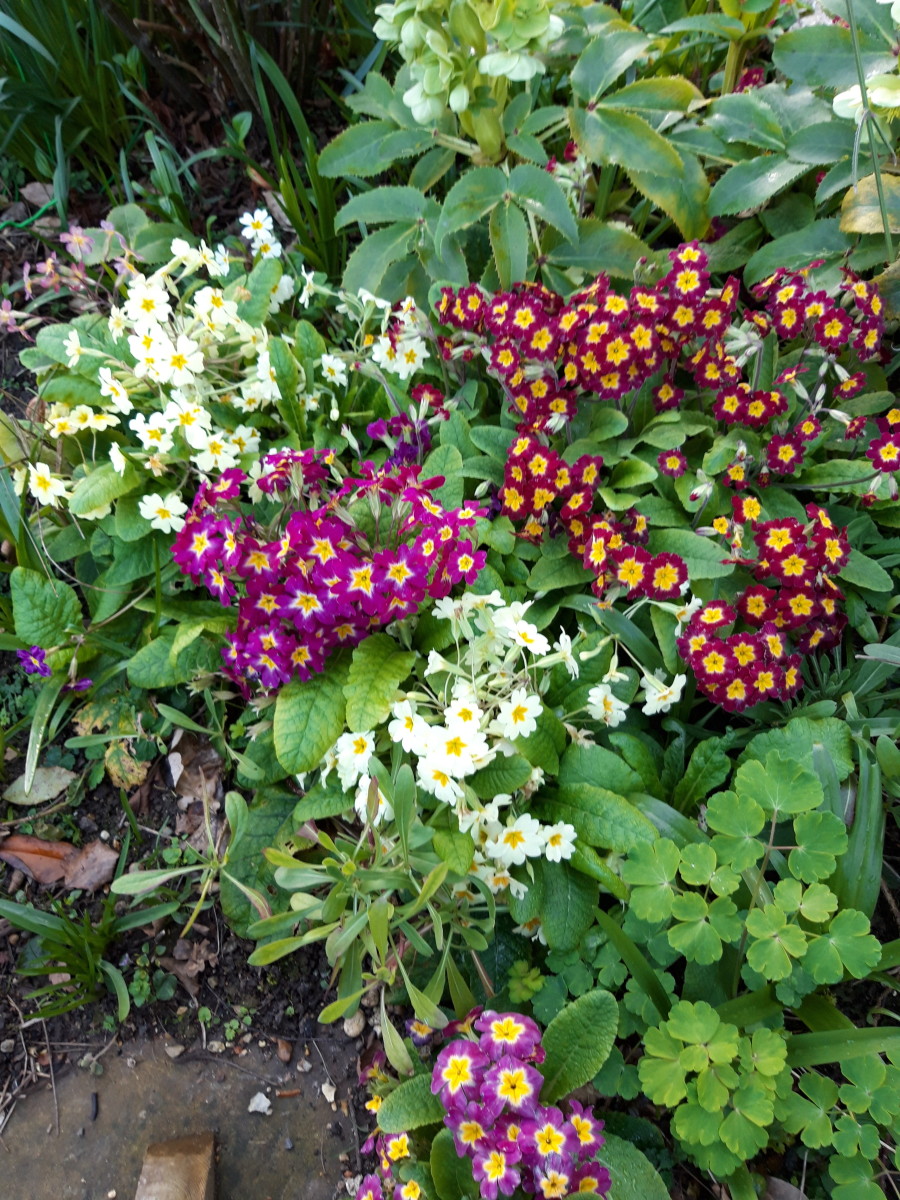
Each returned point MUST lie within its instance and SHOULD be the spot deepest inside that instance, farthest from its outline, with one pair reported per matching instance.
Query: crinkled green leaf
(309, 717)
(377, 668)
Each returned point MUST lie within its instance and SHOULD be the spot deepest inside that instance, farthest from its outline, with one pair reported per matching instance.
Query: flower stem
(868, 116)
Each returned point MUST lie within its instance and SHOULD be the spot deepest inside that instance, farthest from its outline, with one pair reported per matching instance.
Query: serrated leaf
(682, 194)
(470, 199)
(608, 135)
(309, 718)
(455, 848)
(601, 817)
(577, 1044)
(674, 93)
(369, 148)
(708, 767)
(383, 205)
(377, 668)
(369, 262)
(509, 244)
(752, 184)
(537, 191)
(567, 904)
(503, 775)
(606, 58)
(822, 56)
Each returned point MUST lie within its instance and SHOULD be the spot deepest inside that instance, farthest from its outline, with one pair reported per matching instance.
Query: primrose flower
(334, 370)
(114, 391)
(659, 696)
(44, 486)
(514, 1084)
(353, 753)
(458, 1073)
(517, 716)
(163, 513)
(32, 661)
(73, 348)
(370, 1188)
(495, 1171)
(118, 460)
(559, 841)
(604, 706)
(147, 305)
(507, 1033)
(256, 225)
(520, 839)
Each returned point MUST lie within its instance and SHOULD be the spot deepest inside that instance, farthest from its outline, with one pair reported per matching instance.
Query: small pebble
(104, 837)
(288, 1144)
(7, 1046)
(174, 1051)
(353, 1026)
(79, 1132)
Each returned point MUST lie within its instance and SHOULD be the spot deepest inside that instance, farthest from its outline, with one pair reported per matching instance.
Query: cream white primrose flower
(245, 439)
(145, 348)
(532, 929)
(559, 841)
(217, 454)
(61, 425)
(604, 706)
(265, 373)
(147, 304)
(153, 434)
(94, 420)
(411, 354)
(114, 391)
(283, 290)
(73, 348)
(485, 822)
(221, 262)
(178, 362)
(517, 716)
(165, 513)
(256, 224)
(214, 310)
(191, 419)
(353, 753)
(463, 712)
(408, 728)
(383, 810)
(384, 355)
(520, 839)
(457, 749)
(117, 323)
(659, 696)
(44, 486)
(308, 290)
(563, 648)
(334, 370)
(118, 460)
(267, 248)
(435, 779)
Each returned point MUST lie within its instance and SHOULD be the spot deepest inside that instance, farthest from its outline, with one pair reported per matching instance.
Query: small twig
(324, 1064)
(52, 1077)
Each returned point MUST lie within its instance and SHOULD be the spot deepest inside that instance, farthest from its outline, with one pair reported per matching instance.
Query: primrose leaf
(577, 1043)
(779, 785)
(821, 837)
(377, 669)
(650, 869)
(43, 611)
(309, 718)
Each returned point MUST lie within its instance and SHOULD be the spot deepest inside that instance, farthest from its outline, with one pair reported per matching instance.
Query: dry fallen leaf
(196, 768)
(48, 783)
(91, 867)
(40, 860)
(36, 193)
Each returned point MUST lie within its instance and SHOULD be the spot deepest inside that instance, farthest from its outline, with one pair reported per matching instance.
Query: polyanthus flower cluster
(487, 701)
(490, 1091)
(314, 580)
(798, 615)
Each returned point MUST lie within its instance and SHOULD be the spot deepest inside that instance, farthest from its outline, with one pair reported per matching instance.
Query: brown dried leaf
(39, 859)
(91, 867)
(184, 976)
(123, 769)
(200, 776)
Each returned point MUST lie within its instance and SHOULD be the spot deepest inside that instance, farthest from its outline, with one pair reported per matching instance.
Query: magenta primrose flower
(370, 1188)
(491, 1096)
(507, 1033)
